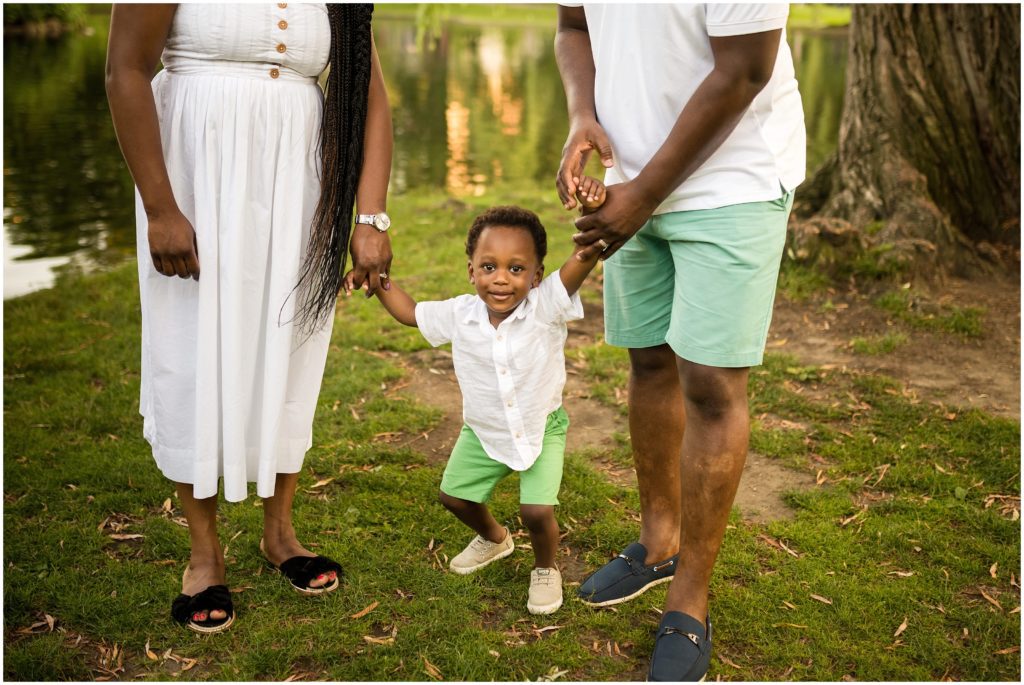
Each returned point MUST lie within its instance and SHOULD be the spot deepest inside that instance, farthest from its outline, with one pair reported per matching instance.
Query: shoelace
(543, 579)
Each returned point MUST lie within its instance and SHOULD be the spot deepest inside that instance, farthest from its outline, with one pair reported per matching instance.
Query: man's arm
(576, 66)
(743, 66)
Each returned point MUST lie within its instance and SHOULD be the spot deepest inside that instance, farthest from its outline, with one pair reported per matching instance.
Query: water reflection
(474, 108)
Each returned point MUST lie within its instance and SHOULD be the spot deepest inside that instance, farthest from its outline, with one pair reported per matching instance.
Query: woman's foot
(298, 563)
(199, 576)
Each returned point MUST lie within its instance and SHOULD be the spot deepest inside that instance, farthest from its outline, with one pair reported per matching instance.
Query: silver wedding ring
(603, 244)
(383, 277)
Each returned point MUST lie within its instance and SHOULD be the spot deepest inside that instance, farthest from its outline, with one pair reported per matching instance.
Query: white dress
(229, 384)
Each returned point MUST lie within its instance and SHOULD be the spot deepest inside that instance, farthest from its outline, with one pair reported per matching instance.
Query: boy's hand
(591, 194)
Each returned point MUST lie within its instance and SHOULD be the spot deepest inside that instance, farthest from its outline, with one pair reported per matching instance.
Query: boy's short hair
(515, 217)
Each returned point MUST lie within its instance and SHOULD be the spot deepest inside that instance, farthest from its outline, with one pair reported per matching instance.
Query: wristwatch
(380, 221)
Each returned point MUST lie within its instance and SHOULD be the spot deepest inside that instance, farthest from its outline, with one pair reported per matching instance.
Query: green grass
(966, 322)
(879, 344)
(911, 515)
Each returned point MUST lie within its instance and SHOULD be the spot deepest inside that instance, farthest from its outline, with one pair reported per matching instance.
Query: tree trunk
(928, 162)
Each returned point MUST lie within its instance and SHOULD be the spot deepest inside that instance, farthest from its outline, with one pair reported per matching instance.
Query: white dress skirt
(229, 381)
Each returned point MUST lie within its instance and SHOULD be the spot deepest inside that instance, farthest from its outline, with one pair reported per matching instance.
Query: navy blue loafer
(625, 577)
(682, 649)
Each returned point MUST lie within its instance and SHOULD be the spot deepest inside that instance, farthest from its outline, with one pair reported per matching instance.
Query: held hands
(172, 245)
(603, 231)
(371, 261)
(582, 140)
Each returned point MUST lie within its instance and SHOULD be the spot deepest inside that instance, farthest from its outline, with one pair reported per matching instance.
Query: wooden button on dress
(282, 5)
(281, 47)
(274, 73)
(282, 24)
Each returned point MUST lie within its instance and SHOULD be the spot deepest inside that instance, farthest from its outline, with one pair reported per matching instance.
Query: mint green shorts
(702, 281)
(471, 474)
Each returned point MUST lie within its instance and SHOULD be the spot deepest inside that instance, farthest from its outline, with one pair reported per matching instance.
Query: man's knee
(713, 392)
(653, 364)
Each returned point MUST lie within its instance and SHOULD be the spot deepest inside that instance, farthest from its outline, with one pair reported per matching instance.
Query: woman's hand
(582, 139)
(172, 245)
(624, 212)
(371, 260)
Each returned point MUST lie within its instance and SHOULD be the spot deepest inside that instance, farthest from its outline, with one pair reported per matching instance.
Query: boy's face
(504, 268)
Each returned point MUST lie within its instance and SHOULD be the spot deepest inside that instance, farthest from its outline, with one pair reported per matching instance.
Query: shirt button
(281, 47)
(500, 337)
(282, 24)
(518, 435)
(510, 404)
(274, 73)
(503, 372)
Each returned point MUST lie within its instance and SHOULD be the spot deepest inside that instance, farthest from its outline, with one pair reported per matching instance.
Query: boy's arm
(591, 195)
(398, 303)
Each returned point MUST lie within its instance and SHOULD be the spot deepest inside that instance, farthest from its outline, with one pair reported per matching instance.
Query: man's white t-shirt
(650, 58)
(511, 376)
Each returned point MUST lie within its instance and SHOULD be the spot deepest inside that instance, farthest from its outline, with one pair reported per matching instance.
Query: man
(695, 112)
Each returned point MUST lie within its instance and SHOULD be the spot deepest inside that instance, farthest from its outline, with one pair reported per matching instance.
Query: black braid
(341, 149)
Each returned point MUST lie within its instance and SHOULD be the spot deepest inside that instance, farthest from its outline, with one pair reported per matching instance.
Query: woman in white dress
(246, 175)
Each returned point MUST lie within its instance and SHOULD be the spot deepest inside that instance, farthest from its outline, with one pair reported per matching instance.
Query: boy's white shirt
(650, 59)
(511, 376)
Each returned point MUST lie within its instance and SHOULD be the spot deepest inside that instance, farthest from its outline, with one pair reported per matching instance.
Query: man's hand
(582, 140)
(371, 260)
(604, 231)
(172, 246)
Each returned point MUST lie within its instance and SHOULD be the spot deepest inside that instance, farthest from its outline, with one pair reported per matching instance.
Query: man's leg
(656, 423)
(714, 451)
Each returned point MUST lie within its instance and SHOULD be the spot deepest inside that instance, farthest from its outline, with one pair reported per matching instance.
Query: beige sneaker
(481, 552)
(545, 591)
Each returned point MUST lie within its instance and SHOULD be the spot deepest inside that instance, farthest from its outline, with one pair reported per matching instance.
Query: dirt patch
(981, 372)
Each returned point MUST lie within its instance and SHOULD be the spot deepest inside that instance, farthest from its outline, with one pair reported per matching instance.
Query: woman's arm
(371, 249)
(137, 37)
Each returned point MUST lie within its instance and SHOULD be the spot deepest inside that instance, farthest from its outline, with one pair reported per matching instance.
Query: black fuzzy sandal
(301, 570)
(213, 598)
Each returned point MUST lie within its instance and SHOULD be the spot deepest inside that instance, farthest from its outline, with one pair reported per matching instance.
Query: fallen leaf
(823, 600)
(167, 505)
(431, 669)
(1015, 611)
(901, 574)
(126, 536)
(49, 622)
(241, 588)
(787, 625)
(493, 653)
(379, 640)
(365, 611)
(1008, 650)
(189, 663)
(546, 629)
(992, 569)
(903, 626)
(321, 483)
(728, 662)
(149, 652)
(788, 605)
(991, 600)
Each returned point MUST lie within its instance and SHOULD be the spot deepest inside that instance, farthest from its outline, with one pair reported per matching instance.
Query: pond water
(474, 107)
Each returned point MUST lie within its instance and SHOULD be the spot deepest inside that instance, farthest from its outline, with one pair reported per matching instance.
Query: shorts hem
(616, 340)
(718, 360)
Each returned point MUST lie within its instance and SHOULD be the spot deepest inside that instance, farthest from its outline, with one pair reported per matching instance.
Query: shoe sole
(620, 600)
(467, 571)
(541, 611)
(313, 591)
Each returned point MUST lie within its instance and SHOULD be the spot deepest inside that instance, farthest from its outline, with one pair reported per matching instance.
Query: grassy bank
(899, 565)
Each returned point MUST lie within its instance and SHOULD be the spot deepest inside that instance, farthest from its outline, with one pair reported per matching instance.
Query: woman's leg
(539, 519)
(206, 565)
(279, 541)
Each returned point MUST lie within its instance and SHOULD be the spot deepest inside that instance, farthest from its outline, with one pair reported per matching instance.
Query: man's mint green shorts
(702, 281)
(471, 474)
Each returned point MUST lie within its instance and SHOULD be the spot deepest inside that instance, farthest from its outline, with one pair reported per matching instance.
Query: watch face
(382, 222)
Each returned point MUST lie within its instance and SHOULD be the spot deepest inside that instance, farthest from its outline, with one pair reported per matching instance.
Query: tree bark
(928, 162)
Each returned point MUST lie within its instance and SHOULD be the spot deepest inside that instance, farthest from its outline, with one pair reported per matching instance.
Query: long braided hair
(341, 150)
